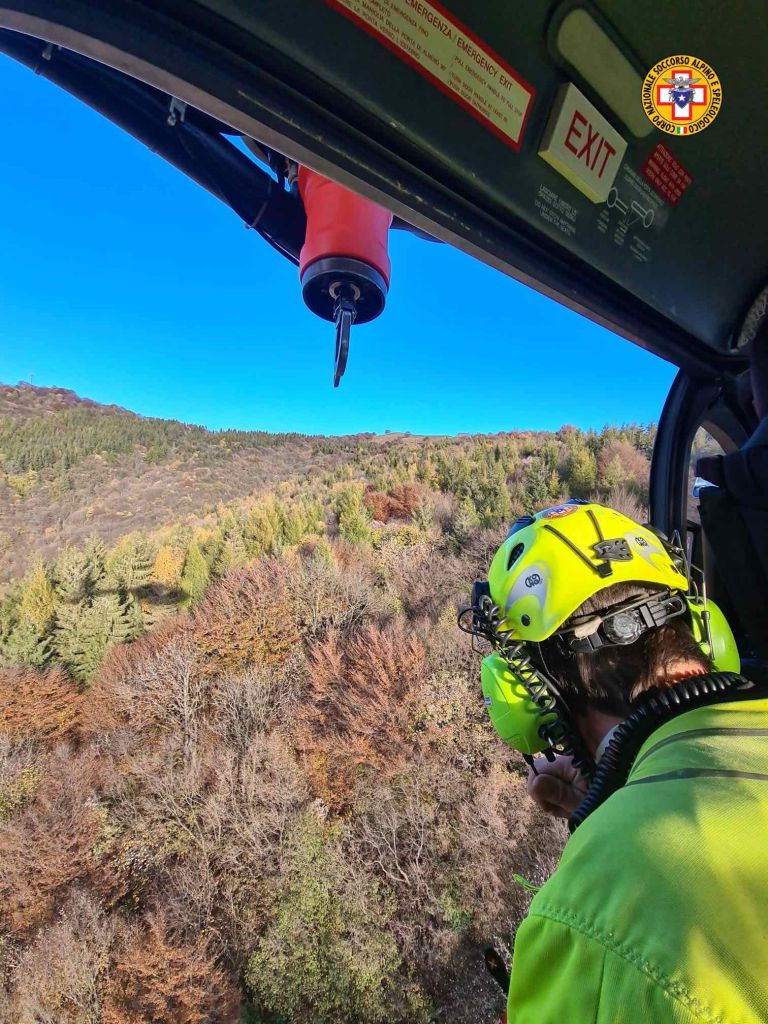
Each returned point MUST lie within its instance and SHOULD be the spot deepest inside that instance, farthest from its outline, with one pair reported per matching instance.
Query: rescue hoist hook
(343, 267)
(344, 314)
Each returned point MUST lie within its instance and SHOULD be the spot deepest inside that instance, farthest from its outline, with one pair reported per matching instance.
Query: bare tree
(59, 976)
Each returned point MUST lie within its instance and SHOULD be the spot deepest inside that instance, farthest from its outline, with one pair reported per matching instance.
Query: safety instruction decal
(633, 215)
(439, 47)
(666, 174)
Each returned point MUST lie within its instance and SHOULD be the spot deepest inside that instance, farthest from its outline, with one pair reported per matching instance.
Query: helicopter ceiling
(672, 262)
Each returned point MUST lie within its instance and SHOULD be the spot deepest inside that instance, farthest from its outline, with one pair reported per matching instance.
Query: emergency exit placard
(582, 145)
(439, 47)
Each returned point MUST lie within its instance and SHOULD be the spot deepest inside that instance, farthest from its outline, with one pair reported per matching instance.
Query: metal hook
(344, 315)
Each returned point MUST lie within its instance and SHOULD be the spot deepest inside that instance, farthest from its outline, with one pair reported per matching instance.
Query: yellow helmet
(548, 566)
(555, 560)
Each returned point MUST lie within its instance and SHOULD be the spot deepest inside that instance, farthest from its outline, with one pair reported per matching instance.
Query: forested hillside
(245, 773)
(72, 469)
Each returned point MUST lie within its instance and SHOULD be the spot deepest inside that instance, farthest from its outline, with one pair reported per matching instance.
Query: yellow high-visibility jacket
(658, 912)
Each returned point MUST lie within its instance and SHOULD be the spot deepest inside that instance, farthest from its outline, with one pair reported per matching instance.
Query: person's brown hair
(611, 678)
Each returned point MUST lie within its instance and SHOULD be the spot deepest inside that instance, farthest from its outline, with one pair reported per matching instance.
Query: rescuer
(607, 660)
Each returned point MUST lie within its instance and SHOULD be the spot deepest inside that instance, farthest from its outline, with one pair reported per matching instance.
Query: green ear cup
(513, 713)
(725, 653)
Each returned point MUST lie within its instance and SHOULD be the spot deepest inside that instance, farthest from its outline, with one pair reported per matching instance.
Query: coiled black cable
(558, 733)
(650, 711)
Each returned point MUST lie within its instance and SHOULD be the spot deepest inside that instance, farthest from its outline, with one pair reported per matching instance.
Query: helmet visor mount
(622, 624)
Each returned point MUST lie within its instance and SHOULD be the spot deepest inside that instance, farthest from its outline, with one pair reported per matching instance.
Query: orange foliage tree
(249, 617)
(354, 718)
(160, 976)
(399, 503)
(49, 844)
(37, 705)
(620, 463)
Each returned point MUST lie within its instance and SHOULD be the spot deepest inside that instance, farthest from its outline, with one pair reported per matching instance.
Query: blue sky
(125, 281)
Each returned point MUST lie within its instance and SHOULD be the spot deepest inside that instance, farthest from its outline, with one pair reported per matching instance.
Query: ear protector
(713, 634)
(515, 716)
(525, 714)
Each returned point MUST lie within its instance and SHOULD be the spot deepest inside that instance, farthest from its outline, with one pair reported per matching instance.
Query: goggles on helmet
(621, 624)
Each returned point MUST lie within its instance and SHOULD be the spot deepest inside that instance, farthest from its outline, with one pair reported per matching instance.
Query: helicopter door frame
(692, 403)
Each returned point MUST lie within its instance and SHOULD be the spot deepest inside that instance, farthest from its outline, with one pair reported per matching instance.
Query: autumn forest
(245, 771)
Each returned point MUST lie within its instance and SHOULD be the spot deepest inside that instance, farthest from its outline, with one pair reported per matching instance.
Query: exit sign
(582, 145)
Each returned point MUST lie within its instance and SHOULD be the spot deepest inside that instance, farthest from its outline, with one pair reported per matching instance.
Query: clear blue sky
(123, 280)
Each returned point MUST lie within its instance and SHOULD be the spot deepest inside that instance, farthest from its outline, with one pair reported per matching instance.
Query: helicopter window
(703, 444)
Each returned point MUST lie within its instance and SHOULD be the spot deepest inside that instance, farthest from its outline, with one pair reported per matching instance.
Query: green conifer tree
(9, 612)
(95, 553)
(129, 565)
(354, 525)
(466, 521)
(227, 519)
(93, 631)
(553, 485)
(233, 553)
(354, 517)
(38, 600)
(260, 532)
(75, 576)
(495, 506)
(582, 472)
(293, 525)
(423, 515)
(211, 547)
(196, 575)
(66, 637)
(25, 646)
(137, 618)
(537, 485)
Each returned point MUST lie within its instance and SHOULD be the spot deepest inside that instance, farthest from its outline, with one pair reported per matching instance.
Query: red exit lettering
(588, 144)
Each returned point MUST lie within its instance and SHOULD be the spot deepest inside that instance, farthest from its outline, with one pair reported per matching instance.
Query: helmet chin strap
(557, 727)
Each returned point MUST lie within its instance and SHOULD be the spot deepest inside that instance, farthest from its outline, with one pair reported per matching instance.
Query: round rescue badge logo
(682, 95)
(558, 512)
